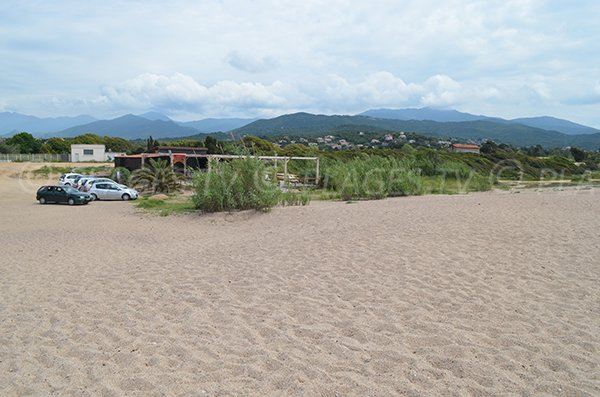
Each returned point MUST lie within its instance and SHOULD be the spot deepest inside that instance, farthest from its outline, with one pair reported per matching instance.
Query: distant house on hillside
(464, 148)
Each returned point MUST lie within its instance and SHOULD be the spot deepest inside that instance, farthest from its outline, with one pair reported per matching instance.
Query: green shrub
(121, 175)
(45, 171)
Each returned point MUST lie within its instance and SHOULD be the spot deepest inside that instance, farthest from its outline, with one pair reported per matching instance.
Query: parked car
(79, 181)
(68, 179)
(88, 183)
(62, 194)
(112, 191)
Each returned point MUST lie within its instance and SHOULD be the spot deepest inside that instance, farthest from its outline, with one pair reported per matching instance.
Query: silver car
(112, 191)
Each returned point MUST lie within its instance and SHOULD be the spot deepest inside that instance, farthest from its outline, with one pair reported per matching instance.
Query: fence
(40, 157)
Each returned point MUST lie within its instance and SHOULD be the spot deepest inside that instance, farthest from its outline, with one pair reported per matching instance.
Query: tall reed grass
(377, 177)
(241, 184)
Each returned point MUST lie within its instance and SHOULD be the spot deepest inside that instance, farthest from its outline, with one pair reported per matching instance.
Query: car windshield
(70, 189)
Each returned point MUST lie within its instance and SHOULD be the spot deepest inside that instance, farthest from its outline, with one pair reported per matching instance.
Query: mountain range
(449, 115)
(11, 122)
(446, 123)
(128, 126)
(498, 130)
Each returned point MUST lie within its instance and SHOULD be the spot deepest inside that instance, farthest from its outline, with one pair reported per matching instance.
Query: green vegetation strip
(165, 207)
(46, 170)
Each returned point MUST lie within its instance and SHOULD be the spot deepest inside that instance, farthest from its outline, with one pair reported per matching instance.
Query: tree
(115, 144)
(212, 145)
(6, 148)
(578, 154)
(536, 151)
(158, 177)
(488, 147)
(88, 139)
(258, 146)
(151, 144)
(25, 142)
(56, 145)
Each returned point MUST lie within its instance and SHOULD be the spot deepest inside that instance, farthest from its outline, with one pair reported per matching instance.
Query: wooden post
(285, 172)
(317, 173)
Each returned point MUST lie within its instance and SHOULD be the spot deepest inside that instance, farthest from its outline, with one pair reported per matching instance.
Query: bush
(121, 175)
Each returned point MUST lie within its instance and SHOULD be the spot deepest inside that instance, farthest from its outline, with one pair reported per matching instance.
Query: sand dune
(480, 294)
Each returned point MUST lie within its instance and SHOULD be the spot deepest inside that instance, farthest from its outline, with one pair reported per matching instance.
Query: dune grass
(377, 177)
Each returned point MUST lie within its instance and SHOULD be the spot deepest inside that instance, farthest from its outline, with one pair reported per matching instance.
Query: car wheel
(126, 197)
(71, 201)
(94, 197)
(42, 200)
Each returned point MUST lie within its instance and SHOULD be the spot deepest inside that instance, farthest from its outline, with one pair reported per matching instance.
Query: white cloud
(335, 94)
(180, 92)
(267, 56)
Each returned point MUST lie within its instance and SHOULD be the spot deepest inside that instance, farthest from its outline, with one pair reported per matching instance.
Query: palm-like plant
(157, 176)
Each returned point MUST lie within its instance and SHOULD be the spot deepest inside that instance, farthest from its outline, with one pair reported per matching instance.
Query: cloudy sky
(204, 58)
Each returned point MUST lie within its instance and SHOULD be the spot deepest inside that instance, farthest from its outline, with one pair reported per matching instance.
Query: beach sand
(469, 295)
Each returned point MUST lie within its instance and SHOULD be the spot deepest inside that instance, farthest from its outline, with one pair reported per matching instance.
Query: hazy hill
(302, 123)
(216, 125)
(560, 125)
(130, 127)
(11, 123)
(441, 115)
(154, 116)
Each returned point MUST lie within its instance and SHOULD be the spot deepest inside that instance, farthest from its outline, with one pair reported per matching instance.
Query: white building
(82, 152)
(88, 153)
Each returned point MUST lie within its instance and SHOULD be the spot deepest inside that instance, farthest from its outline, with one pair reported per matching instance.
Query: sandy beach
(482, 294)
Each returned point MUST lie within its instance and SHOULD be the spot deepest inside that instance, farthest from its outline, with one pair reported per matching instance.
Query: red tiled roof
(464, 146)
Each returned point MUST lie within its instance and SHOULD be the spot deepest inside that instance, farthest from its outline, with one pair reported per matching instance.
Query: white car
(112, 191)
(68, 179)
(85, 186)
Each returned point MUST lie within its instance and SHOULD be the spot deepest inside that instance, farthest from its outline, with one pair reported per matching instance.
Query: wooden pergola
(276, 159)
